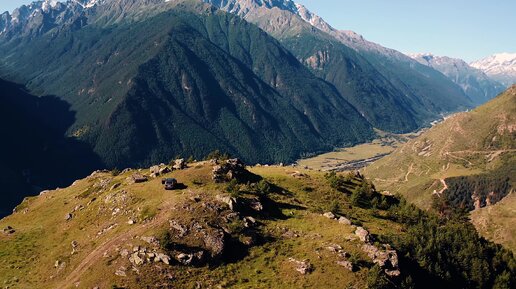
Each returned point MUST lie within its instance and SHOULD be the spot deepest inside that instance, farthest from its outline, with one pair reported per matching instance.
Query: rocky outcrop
(386, 258)
(231, 169)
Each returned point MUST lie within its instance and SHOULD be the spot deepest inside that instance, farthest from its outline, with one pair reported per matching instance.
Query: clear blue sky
(468, 29)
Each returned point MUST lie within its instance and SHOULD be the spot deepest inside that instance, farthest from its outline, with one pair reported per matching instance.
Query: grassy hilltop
(266, 231)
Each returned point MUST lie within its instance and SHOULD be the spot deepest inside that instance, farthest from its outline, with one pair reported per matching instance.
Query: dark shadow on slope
(34, 152)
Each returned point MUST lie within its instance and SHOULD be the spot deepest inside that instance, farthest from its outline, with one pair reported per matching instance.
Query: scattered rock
(329, 215)
(75, 245)
(231, 202)
(344, 221)
(68, 217)
(139, 178)
(363, 234)
(163, 258)
(299, 175)
(124, 253)
(249, 222)
(182, 229)
(131, 222)
(334, 248)
(135, 259)
(304, 267)
(164, 170)
(115, 186)
(151, 240)
(121, 272)
(9, 230)
(346, 264)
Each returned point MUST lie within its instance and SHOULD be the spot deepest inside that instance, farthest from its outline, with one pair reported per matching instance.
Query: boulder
(344, 221)
(154, 170)
(185, 259)
(179, 164)
(139, 178)
(164, 170)
(363, 234)
(135, 259)
(68, 217)
(163, 258)
(329, 215)
(304, 267)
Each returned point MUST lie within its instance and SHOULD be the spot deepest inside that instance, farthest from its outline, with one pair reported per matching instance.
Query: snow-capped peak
(47, 4)
(501, 66)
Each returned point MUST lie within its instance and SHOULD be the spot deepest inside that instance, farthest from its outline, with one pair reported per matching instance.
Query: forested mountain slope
(204, 80)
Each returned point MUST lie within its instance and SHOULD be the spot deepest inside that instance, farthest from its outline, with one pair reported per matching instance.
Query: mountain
(467, 162)
(34, 152)
(262, 228)
(476, 84)
(500, 67)
(204, 80)
(394, 92)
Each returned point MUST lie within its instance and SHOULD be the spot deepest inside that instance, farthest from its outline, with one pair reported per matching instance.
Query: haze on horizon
(466, 29)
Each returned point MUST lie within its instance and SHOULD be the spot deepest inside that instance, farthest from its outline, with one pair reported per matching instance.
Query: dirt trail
(409, 171)
(98, 253)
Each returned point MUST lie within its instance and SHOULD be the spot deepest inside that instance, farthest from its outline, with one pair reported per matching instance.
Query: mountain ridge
(501, 67)
(475, 83)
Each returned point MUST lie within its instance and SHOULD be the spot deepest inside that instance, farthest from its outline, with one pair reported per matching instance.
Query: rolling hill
(265, 228)
(468, 160)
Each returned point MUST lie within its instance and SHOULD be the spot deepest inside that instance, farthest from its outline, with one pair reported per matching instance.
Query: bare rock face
(304, 267)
